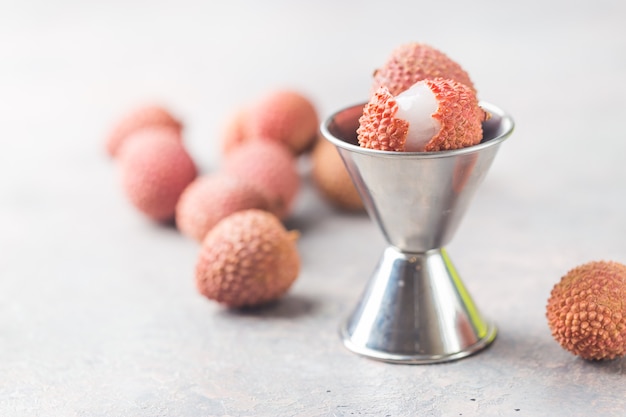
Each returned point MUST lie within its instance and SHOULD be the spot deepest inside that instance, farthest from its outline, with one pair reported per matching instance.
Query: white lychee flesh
(416, 105)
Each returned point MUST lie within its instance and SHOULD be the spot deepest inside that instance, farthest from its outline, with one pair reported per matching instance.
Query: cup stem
(416, 310)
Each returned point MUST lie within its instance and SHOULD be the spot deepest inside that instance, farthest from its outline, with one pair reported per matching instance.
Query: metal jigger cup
(415, 308)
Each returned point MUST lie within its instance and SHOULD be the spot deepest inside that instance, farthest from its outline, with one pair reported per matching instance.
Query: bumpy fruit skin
(458, 113)
(414, 62)
(285, 116)
(378, 127)
(247, 259)
(586, 310)
(155, 170)
(210, 198)
(331, 178)
(271, 168)
(140, 118)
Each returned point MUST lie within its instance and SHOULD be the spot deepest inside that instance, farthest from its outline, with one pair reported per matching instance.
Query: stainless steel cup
(415, 308)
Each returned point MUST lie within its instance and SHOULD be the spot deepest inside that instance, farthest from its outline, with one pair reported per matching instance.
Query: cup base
(416, 310)
(418, 359)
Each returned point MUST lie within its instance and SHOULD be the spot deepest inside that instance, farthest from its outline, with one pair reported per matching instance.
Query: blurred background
(88, 298)
(204, 59)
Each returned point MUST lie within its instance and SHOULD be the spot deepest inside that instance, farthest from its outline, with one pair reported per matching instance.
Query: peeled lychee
(414, 62)
(586, 310)
(140, 118)
(271, 168)
(247, 259)
(285, 116)
(432, 115)
(331, 177)
(155, 170)
(210, 198)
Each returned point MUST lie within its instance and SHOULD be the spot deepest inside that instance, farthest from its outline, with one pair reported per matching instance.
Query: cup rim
(507, 125)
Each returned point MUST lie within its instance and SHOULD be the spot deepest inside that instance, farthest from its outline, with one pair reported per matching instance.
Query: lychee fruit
(286, 116)
(140, 118)
(247, 259)
(331, 178)
(414, 62)
(586, 310)
(433, 115)
(155, 170)
(234, 130)
(210, 198)
(271, 168)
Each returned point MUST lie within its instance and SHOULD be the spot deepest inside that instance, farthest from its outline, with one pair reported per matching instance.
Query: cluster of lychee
(247, 256)
(422, 101)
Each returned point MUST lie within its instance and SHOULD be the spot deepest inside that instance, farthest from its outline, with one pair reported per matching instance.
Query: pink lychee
(210, 198)
(140, 118)
(155, 170)
(234, 130)
(414, 62)
(247, 259)
(286, 116)
(270, 167)
(586, 310)
(432, 115)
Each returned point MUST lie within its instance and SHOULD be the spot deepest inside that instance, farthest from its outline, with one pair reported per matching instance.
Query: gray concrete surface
(98, 312)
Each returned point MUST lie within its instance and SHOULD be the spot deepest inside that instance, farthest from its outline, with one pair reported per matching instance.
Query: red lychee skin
(586, 310)
(414, 62)
(247, 259)
(271, 168)
(286, 116)
(458, 113)
(210, 198)
(140, 118)
(155, 170)
(378, 127)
